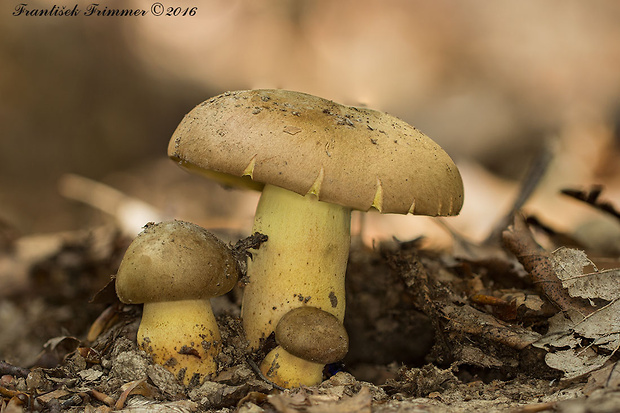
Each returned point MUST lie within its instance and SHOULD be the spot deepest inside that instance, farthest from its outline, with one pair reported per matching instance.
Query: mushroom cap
(172, 261)
(312, 334)
(355, 157)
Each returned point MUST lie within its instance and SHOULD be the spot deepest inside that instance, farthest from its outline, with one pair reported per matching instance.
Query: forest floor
(499, 326)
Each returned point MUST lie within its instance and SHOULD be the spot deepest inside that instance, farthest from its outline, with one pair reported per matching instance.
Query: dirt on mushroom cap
(355, 157)
(175, 260)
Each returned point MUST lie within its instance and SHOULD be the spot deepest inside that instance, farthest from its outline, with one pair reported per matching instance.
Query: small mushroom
(174, 268)
(308, 338)
(315, 161)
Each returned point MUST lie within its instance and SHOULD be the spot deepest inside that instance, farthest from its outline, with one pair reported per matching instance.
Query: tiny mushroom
(315, 160)
(174, 268)
(308, 338)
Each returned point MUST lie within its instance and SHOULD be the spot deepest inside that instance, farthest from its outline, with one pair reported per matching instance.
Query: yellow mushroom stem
(288, 371)
(182, 336)
(302, 263)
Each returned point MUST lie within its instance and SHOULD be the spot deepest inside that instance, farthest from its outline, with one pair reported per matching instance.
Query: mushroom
(315, 161)
(308, 338)
(174, 268)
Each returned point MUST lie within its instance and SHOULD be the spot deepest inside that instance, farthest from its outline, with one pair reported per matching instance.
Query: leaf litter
(579, 344)
(486, 337)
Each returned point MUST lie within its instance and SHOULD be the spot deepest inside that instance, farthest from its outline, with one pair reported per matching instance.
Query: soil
(427, 334)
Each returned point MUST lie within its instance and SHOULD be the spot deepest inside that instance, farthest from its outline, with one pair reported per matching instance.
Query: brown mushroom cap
(355, 157)
(312, 334)
(172, 261)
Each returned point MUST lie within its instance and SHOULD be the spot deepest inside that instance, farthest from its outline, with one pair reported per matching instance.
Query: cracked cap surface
(355, 157)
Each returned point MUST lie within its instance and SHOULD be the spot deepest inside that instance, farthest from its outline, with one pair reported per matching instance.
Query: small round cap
(354, 157)
(172, 261)
(312, 334)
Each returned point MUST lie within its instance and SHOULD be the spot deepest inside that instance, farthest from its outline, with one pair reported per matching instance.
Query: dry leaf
(145, 406)
(56, 394)
(582, 338)
(603, 326)
(303, 401)
(289, 403)
(608, 376)
(580, 346)
(575, 362)
(358, 403)
(468, 320)
(127, 389)
(603, 284)
(569, 264)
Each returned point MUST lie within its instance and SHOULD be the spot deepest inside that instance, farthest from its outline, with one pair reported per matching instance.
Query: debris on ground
(504, 326)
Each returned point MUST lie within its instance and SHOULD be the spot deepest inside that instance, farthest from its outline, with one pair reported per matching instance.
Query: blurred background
(492, 82)
(88, 104)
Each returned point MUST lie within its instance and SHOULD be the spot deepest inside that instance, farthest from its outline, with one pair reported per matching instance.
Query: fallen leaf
(90, 375)
(468, 320)
(304, 401)
(127, 389)
(580, 346)
(603, 326)
(608, 376)
(56, 394)
(569, 264)
(181, 406)
(358, 403)
(575, 362)
(603, 284)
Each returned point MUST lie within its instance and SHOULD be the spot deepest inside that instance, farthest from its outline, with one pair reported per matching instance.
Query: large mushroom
(174, 268)
(315, 161)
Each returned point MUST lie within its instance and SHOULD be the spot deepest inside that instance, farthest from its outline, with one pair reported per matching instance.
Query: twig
(591, 198)
(536, 261)
(261, 375)
(537, 407)
(6, 368)
(529, 183)
(130, 213)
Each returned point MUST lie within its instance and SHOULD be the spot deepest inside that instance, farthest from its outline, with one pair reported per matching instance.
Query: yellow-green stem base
(182, 336)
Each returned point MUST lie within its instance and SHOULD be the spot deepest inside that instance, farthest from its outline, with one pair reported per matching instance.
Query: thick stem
(302, 263)
(287, 370)
(182, 336)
